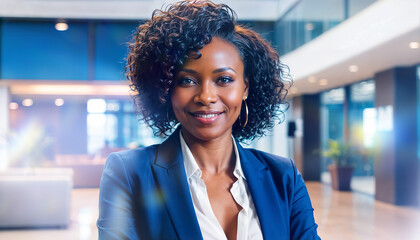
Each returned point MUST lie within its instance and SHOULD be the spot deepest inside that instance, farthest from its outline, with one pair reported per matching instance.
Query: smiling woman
(208, 92)
(194, 67)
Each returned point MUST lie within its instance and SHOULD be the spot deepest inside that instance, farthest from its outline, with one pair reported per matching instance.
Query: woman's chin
(206, 134)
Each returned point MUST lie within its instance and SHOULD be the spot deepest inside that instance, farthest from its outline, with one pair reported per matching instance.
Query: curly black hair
(162, 45)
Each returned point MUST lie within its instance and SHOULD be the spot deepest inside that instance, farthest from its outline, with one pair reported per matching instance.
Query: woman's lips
(206, 117)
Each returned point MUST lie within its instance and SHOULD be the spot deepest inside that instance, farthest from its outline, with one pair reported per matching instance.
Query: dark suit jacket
(144, 194)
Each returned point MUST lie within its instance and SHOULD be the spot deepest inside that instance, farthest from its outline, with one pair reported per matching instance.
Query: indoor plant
(341, 170)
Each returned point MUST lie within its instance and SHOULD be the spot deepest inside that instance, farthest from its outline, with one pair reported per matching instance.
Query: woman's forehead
(219, 53)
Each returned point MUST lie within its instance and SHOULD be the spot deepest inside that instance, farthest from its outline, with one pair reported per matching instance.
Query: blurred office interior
(355, 64)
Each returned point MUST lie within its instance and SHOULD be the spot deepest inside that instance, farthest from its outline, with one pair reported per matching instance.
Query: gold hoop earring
(246, 115)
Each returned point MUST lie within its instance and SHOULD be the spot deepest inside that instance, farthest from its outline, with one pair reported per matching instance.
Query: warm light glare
(71, 89)
(59, 102)
(323, 82)
(13, 106)
(312, 79)
(353, 68)
(27, 102)
(414, 45)
(61, 26)
(293, 90)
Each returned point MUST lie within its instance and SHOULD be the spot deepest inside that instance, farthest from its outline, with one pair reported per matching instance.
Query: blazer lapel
(264, 194)
(170, 174)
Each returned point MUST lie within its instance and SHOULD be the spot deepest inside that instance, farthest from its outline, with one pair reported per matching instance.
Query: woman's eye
(225, 80)
(186, 81)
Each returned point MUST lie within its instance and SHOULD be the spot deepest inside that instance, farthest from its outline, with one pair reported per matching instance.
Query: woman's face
(209, 90)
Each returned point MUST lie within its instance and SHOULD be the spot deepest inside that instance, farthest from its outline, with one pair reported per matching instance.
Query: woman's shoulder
(272, 161)
(133, 158)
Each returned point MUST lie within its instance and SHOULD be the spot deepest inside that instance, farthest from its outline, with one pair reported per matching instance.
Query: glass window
(306, 21)
(265, 28)
(113, 124)
(309, 19)
(362, 125)
(36, 50)
(418, 114)
(332, 120)
(362, 122)
(332, 110)
(356, 6)
(418, 123)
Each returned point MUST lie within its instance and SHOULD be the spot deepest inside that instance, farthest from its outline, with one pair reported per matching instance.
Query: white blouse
(248, 223)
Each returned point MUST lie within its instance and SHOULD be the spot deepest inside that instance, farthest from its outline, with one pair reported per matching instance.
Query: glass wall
(111, 124)
(362, 125)
(309, 19)
(418, 113)
(356, 115)
(362, 121)
(79, 125)
(332, 120)
(418, 122)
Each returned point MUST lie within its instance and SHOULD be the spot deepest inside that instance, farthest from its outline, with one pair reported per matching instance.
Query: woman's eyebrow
(214, 71)
(188, 71)
(224, 69)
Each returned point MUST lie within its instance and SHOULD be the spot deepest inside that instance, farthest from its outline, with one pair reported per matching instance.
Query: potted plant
(341, 170)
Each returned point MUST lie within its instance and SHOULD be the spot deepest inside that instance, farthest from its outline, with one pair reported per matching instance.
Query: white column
(4, 125)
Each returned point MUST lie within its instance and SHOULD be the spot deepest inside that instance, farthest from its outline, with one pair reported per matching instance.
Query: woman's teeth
(206, 115)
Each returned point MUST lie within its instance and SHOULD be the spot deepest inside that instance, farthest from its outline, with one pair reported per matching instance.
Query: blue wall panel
(111, 48)
(36, 50)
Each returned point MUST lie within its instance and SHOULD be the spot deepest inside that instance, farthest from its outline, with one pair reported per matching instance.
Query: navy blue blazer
(144, 194)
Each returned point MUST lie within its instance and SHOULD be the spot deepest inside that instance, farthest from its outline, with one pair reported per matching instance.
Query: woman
(193, 65)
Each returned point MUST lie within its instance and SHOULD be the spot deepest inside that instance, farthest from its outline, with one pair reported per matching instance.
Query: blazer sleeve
(116, 220)
(302, 222)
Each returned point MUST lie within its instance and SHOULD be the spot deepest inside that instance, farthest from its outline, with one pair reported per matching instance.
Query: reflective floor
(355, 215)
(340, 215)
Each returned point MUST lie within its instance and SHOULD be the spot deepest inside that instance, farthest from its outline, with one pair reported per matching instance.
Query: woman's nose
(206, 95)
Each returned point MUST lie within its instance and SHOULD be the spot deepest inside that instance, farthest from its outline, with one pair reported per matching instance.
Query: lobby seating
(87, 169)
(35, 197)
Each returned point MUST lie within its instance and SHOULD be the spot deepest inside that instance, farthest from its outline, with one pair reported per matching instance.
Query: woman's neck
(213, 156)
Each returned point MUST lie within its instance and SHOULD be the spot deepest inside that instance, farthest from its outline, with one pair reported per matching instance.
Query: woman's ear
(246, 90)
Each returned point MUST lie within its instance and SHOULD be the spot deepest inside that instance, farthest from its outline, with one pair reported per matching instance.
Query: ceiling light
(293, 90)
(13, 105)
(309, 26)
(59, 102)
(323, 82)
(27, 102)
(61, 26)
(312, 79)
(414, 45)
(353, 68)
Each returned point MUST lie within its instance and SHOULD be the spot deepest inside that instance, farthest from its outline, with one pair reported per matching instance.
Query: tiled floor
(354, 216)
(362, 184)
(340, 215)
